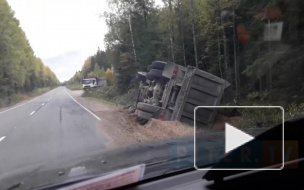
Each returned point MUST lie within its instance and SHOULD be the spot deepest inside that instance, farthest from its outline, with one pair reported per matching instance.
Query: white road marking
(83, 107)
(2, 138)
(32, 113)
(25, 102)
(19, 105)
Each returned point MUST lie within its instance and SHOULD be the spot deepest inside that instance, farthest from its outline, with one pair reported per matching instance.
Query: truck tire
(142, 121)
(147, 107)
(149, 77)
(158, 65)
(144, 115)
(155, 73)
(142, 76)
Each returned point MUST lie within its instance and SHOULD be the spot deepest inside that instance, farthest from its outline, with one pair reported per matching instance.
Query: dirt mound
(124, 129)
(169, 128)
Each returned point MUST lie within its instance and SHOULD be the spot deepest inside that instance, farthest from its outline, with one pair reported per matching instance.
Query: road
(49, 128)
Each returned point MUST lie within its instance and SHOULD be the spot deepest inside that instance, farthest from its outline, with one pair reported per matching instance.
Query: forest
(20, 70)
(228, 38)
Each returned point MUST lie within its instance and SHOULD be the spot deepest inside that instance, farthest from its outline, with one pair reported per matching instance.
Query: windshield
(87, 82)
(155, 62)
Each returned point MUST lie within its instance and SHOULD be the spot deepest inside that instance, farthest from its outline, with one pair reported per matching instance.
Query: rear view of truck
(174, 92)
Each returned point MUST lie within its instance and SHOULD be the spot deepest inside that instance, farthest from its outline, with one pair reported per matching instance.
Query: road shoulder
(22, 102)
(123, 128)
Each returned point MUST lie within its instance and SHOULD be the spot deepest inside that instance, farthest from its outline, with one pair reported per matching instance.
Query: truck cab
(89, 83)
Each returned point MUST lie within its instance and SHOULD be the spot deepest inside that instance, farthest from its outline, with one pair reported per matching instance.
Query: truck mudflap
(199, 88)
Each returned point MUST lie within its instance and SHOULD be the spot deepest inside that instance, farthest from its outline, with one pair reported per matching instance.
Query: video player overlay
(240, 138)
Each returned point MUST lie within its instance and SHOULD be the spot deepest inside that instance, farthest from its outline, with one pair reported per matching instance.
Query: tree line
(94, 66)
(20, 70)
(226, 38)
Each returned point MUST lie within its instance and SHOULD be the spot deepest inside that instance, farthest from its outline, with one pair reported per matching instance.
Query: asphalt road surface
(49, 128)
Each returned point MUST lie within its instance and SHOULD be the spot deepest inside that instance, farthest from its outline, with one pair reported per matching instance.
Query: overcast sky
(63, 33)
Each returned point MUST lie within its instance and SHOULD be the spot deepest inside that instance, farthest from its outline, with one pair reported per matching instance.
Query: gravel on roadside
(123, 128)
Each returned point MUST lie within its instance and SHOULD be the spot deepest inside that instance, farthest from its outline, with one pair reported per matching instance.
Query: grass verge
(75, 87)
(98, 95)
(16, 98)
(102, 100)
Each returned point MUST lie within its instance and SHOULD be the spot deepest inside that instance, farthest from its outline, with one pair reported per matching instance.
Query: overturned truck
(171, 92)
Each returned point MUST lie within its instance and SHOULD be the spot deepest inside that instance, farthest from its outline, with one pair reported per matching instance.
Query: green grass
(111, 94)
(106, 102)
(96, 97)
(259, 118)
(39, 91)
(75, 87)
(16, 98)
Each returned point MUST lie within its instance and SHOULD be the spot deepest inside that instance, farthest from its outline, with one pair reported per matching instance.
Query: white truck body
(93, 83)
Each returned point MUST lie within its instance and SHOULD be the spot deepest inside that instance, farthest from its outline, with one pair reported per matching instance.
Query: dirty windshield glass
(157, 65)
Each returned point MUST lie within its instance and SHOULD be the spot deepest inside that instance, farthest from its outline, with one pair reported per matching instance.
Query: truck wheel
(144, 115)
(158, 65)
(142, 76)
(156, 73)
(142, 121)
(149, 77)
(147, 107)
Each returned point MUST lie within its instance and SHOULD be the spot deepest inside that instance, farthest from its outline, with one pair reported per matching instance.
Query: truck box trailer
(171, 92)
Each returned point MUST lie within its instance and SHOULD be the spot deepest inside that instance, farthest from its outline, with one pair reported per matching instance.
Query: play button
(235, 138)
(240, 137)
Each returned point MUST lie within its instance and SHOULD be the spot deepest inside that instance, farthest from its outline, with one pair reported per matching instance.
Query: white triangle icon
(235, 138)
